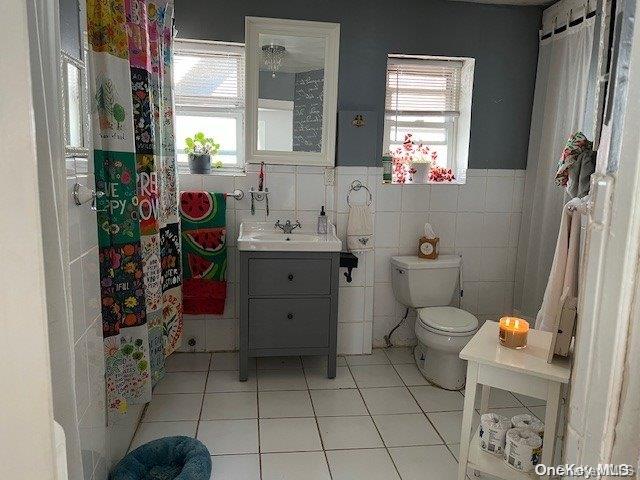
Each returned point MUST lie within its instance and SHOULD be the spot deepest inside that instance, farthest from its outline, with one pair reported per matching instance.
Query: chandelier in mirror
(273, 56)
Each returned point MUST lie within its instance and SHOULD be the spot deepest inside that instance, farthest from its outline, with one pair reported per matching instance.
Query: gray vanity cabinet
(288, 305)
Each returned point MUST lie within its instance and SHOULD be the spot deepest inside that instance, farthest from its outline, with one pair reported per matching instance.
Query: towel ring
(355, 186)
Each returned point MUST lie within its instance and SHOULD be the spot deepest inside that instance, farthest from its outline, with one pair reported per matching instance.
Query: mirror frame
(330, 32)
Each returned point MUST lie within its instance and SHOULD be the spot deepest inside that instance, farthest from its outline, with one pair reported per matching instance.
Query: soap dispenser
(322, 221)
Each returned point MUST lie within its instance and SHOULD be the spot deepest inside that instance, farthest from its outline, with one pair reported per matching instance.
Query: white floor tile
(411, 375)
(283, 379)
(188, 362)
(227, 381)
(449, 424)
(235, 467)
(530, 401)
(406, 430)
(228, 361)
(229, 406)
(281, 404)
(538, 412)
(317, 378)
(377, 357)
(173, 407)
(434, 399)
(276, 363)
(154, 430)
(294, 466)
(182, 382)
(368, 376)
(400, 355)
(498, 398)
(370, 464)
(331, 403)
(320, 361)
(289, 435)
(425, 463)
(385, 401)
(510, 412)
(348, 432)
(224, 437)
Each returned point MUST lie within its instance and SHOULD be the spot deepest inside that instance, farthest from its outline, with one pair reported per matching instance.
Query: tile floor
(378, 419)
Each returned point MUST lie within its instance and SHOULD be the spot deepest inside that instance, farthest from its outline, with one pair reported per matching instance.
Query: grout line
(255, 361)
(203, 395)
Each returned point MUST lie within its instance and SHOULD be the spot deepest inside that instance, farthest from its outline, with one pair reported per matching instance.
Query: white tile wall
(479, 220)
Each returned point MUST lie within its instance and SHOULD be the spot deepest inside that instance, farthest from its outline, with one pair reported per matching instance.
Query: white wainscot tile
(412, 228)
(491, 296)
(221, 333)
(388, 198)
(518, 193)
(476, 172)
(383, 264)
(87, 218)
(310, 191)
(190, 181)
(194, 329)
(358, 275)
(512, 259)
(384, 301)
(77, 300)
(81, 376)
(496, 230)
(501, 172)
(415, 198)
(367, 337)
(245, 183)
(499, 194)
(387, 226)
(350, 337)
(471, 263)
(221, 184)
(469, 300)
(343, 184)
(472, 195)
(282, 191)
(368, 304)
(351, 304)
(444, 224)
(469, 229)
(341, 227)
(74, 222)
(367, 259)
(514, 229)
(444, 198)
(494, 264)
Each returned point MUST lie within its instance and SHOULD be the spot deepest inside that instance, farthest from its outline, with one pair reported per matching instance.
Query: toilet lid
(448, 319)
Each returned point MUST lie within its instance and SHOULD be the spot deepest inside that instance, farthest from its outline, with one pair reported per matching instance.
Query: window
(209, 97)
(430, 99)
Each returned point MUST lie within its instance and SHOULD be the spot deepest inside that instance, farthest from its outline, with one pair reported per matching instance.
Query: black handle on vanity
(290, 277)
(290, 316)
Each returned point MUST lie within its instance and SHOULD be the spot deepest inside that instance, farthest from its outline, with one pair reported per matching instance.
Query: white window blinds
(419, 87)
(214, 77)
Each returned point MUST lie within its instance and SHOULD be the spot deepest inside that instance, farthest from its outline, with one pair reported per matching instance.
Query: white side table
(523, 371)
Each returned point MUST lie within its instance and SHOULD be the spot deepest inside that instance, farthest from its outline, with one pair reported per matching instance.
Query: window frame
(199, 106)
(457, 124)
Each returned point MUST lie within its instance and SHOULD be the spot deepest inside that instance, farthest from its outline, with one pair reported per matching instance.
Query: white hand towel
(359, 229)
(563, 278)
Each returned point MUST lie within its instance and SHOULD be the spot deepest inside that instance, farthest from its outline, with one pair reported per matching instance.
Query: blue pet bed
(170, 458)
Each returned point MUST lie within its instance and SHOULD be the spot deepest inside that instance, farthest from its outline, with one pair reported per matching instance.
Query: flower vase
(422, 170)
(199, 163)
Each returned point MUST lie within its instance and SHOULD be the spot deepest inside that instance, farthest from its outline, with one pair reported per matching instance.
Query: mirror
(291, 91)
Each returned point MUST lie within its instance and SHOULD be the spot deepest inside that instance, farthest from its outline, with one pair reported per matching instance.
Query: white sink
(263, 236)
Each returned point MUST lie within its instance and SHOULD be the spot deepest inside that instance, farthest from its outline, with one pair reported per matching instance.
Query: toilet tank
(418, 282)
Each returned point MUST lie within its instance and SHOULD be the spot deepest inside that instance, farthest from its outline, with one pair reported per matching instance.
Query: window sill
(217, 172)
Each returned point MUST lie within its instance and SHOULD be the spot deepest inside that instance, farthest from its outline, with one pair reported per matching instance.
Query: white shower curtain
(561, 107)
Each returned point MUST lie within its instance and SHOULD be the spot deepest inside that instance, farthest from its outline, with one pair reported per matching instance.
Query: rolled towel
(528, 421)
(522, 449)
(492, 431)
(360, 229)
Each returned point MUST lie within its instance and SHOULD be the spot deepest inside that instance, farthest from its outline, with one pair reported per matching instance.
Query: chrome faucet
(288, 227)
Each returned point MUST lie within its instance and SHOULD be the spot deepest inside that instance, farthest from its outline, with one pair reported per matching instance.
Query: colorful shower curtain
(130, 44)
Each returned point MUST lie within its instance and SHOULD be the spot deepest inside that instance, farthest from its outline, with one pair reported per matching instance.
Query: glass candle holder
(513, 332)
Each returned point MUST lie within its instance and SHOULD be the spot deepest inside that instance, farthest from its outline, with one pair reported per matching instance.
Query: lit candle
(513, 332)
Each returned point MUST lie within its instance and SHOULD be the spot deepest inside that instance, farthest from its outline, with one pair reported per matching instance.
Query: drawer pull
(290, 316)
(290, 277)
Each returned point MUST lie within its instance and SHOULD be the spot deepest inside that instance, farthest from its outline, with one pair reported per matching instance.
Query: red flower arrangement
(441, 174)
(403, 158)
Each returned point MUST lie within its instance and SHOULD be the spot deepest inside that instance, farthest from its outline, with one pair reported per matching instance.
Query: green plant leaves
(201, 145)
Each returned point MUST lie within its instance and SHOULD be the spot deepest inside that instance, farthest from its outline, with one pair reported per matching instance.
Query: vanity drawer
(289, 322)
(290, 276)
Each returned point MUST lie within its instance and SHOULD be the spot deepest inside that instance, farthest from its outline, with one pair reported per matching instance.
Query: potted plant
(412, 162)
(200, 150)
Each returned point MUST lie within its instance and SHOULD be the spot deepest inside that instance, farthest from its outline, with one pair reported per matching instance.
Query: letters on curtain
(134, 157)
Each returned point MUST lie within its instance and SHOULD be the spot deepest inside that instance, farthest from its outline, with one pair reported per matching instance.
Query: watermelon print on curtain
(138, 231)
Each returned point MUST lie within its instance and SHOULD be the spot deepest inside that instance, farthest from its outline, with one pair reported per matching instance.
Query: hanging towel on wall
(562, 287)
(576, 164)
(204, 252)
(359, 229)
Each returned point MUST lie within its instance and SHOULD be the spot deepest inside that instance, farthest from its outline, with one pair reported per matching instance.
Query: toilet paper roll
(492, 431)
(530, 422)
(522, 449)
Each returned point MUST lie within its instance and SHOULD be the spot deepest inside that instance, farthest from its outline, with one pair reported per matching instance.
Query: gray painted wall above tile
(502, 39)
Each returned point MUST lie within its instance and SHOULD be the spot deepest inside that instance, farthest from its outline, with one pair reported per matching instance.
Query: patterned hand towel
(204, 252)
(359, 229)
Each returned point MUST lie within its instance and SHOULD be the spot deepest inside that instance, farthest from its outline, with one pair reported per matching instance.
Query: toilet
(428, 286)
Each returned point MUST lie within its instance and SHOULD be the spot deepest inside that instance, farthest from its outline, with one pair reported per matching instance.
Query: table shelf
(491, 464)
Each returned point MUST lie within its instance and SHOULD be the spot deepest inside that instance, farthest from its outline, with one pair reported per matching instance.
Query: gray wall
(278, 88)
(502, 39)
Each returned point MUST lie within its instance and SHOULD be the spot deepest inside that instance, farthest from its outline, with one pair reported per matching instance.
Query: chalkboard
(308, 96)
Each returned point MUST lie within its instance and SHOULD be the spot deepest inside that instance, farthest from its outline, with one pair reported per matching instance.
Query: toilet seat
(448, 320)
